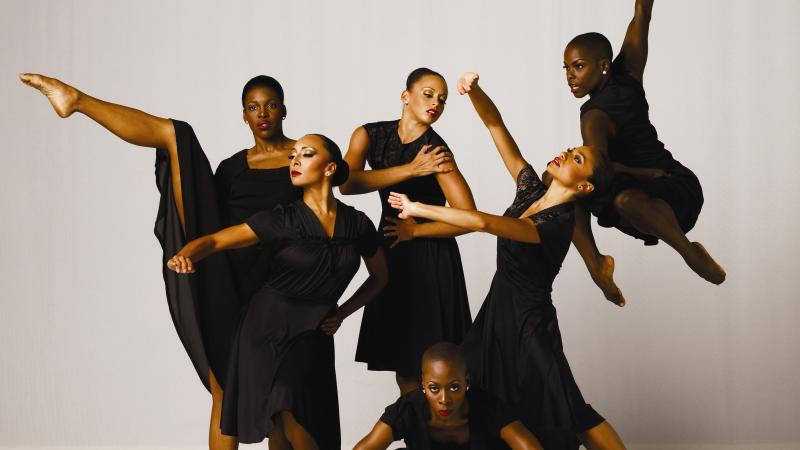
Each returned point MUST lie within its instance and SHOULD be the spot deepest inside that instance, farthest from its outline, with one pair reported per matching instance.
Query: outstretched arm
(518, 437)
(523, 230)
(428, 160)
(380, 438)
(232, 237)
(490, 115)
(634, 47)
(372, 286)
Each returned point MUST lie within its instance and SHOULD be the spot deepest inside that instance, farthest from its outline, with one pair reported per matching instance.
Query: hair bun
(342, 172)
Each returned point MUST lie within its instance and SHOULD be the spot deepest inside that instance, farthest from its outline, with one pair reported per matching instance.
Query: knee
(627, 201)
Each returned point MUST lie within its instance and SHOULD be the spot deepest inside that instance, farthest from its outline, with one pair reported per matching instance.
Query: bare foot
(604, 279)
(63, 97)
(705, 266)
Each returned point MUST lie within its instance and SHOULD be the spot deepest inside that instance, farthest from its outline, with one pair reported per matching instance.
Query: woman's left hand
(401, 230)
(402, 203)
(331, 324)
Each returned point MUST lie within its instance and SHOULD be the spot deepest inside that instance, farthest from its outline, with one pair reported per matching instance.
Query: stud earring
(604, 72)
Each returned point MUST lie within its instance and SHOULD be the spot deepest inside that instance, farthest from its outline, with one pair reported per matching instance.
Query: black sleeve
(398, 416)
(269, 225)
(368, 237)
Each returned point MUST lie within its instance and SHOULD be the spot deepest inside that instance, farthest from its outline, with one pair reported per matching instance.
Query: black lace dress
(426, 299)
(409, 416)
(514, 347)
(280, 360)
(635, 144)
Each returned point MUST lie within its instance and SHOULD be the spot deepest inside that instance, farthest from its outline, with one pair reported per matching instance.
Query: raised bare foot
(705, 266)
(63, 97)
(603, 277)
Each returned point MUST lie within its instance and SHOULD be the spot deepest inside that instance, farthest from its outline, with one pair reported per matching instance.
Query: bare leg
(217, 440)
(131, 125)
(406, 385)
(601, 267)
(296, 434)
(601, 437)
(277, 437)
(655, 217)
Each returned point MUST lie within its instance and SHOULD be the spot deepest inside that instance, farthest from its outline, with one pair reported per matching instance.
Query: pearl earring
(604, 72)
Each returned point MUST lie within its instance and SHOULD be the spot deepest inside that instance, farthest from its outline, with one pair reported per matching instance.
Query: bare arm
(236, 236)
(428, 160)
(634, 47)
(490, 115)
(378, 439)
(523, 230)
(372, 286)
(518, 437)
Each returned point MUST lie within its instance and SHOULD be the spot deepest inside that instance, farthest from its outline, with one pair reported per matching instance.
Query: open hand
(180, 264)
(430, 160)
(403, 203)
(331, 324)
(402, 230)
(467, 81)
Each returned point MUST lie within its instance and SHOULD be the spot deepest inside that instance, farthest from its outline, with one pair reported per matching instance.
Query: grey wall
(89, 355)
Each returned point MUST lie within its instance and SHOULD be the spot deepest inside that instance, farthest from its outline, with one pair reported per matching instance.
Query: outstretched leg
(601, 437)
(655, 217)
(277, 437)
(297, 436)
(601, 267)
(217, 440)
(131, 125)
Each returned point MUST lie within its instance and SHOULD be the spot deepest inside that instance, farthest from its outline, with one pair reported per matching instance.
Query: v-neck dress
(280, 360)
(514, 347)
(409, 416)
(426, 299)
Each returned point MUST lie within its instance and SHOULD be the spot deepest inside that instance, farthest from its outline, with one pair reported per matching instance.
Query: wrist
(408, 170)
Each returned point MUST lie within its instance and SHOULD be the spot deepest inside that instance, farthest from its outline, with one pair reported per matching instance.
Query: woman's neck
(320, 199)
(274, 144)
(409, 129)
(555, 194)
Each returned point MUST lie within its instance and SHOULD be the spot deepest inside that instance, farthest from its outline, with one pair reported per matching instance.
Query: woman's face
(572, 168)
(426, 98)
(264, 112)
(445, 386)
(310, 162)
(584, 71)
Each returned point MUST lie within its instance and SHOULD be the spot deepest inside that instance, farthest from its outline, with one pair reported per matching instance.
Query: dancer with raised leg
(195, 201)
(407, 155)
(653, 195)
(281, 375)
(514, 347)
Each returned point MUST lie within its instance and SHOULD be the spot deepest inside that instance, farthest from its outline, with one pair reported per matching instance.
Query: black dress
(426, 299)
(280, 361)
(635, 143)
(205, 306)
(410, 414)
(514, 347)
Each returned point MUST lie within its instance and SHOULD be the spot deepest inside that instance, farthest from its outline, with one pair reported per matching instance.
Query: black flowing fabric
(635, 144)
(205, 305)
(280, 361)
(426, 299)
(409, 418)
(514, 348)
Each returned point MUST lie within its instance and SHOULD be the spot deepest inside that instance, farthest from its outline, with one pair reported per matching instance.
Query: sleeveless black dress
(514, 348)
(409, 415)
(280, 361)
(426, 299)
(205, 306)
(635, 144)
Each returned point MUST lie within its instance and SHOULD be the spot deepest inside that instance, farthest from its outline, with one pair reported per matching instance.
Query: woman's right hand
(430, 160)
(180, 264)
(404, 204)
(467, 81)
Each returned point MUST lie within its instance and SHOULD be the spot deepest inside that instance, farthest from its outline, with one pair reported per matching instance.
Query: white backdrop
(89, 354)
